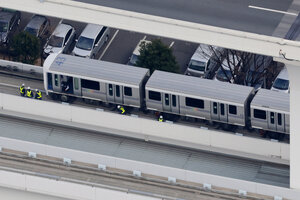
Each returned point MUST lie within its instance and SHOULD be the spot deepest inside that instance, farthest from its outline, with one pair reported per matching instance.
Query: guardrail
(21, 68)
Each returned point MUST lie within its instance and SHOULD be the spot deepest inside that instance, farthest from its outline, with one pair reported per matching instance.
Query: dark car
(38, 26)
(9, 19)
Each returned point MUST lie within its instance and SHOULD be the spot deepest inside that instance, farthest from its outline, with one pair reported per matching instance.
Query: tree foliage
(157, 56)
(25, 47)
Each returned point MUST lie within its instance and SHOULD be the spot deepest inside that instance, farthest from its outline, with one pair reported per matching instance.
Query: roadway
(231, 14)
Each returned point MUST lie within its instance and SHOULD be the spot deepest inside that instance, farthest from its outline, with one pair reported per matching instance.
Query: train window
(128, 91)
(110, 89)
(215, 108)
(174, 100)
(76, 83)
(56, 80)
(260, 114)
(167, 101)
(197, 103)
(154, 96)
(272, 117)
(49, 76)
(222, 108)
(279, 116)
(93, 85)
(232, 110)
(117, 91)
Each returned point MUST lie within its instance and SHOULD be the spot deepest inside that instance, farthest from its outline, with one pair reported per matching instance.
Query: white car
(136, 53)
(225, 75)
(91, 40)
(282, 82)
(60, 40)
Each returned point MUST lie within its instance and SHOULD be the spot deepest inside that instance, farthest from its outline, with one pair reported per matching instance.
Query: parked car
(282, 82)
(9, 20)
(91, 40)
(136, 52)
(38, 26)
(60, 40)
(199, 61)
(225, 74)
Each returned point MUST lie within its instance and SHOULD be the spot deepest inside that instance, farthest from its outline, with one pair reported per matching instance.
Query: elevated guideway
(189, 31)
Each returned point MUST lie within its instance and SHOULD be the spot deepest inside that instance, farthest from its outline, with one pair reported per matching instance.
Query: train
(67, 77)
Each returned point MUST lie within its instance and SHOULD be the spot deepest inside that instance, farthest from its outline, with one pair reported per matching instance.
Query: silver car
(91, 40)
(38, 26)
(60, 40)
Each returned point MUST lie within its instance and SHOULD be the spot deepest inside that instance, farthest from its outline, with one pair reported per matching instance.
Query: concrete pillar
(294, 76)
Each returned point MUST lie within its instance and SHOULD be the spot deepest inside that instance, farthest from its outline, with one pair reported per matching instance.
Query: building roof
(198, 88)
(272, 100)
(98, 70)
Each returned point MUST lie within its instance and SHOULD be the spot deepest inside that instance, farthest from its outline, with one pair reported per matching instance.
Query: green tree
(157, 56)
(25, 47)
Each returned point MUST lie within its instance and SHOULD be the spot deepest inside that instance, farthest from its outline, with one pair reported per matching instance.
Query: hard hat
(28, 88)
(23, 84)
(161, 117)
(119, 106)
(36, 90)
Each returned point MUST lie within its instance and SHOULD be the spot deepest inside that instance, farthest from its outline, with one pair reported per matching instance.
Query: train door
(166, 103)
(77, 87)
(280, 122)
(56, 86)
(271, 121)
(223, 112)
(215, 112)
(110, 93)
(118, 94)
(174, 104)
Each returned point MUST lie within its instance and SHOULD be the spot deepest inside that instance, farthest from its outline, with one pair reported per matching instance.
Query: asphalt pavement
(231, 14)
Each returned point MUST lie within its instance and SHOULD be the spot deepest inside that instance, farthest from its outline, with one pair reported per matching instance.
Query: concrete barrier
(147, 129)
(21, 67)
(64, 189)
(130, 165)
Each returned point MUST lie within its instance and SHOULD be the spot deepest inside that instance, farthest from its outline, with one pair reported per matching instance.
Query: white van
(282, 82)
(134, 57)
(199, 61)
(91, 40)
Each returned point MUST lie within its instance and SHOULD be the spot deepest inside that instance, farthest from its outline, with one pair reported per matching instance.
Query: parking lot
(121, 43)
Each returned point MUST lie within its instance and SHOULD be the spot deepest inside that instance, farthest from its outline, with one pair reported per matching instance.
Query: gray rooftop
(274, 100)
(98, 70)
(198, 88)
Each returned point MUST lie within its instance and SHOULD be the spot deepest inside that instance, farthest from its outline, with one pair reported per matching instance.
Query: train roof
(97, 70)
(198, 87)
(272, 100)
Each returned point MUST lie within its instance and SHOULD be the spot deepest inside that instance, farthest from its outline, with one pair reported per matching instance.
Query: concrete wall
(130, 165)
(147, 129)
(63, 189)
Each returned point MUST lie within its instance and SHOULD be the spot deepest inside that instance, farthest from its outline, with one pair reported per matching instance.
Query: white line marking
(9, 85)
(144, 38)
(172, 43)
(108, 44)
(272, 10)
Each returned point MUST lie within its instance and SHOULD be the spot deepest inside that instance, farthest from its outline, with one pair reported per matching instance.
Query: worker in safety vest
(29, 93)
(38, 94)
(160, 119)
(22, 90)
(121, 110)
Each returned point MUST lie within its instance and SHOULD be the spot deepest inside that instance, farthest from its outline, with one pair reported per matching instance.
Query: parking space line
(172, 43)
(144, 38)
(113, 37)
